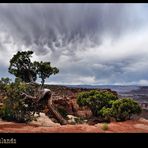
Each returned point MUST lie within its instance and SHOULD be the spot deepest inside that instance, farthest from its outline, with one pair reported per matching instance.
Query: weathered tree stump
(45, 99)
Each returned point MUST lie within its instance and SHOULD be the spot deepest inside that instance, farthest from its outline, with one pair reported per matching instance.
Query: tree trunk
(30, 76)
(51, 108)
(56, 115)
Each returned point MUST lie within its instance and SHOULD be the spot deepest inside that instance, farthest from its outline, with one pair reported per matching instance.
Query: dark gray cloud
(88, 42)
(42, 24)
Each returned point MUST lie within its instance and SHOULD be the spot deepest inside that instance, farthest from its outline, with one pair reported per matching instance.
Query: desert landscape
(66, 97)
(73, 68)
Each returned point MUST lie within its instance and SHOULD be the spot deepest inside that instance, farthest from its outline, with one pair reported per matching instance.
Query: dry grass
(105, 126)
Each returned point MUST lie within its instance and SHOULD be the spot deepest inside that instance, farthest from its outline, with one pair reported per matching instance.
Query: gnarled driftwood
(46, 99)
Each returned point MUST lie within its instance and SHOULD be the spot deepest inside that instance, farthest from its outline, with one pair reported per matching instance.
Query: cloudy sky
(89, 43)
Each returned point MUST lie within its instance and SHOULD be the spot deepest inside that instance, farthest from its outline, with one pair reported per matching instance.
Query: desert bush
(80, 120)
(96, 100)
(123, 109)
(15, 107)
(105, 126)
(106, 114)
(3, 83)
(106, 105)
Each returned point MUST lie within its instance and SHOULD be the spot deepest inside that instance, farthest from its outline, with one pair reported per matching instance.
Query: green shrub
(106, 105)
(106, 113)
(3, 83)
(123, 109)
(80, 120)
(15, 107)
(96, 100)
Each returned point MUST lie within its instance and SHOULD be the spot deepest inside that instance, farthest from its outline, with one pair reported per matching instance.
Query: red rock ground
(139, 126)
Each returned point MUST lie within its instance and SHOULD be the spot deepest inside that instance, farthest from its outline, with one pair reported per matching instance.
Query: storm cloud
(89, 43)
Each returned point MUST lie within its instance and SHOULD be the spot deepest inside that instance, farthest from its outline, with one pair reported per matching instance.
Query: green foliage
(80, 120)
(105, 126)
(5, 81)
(44, 70)
(15, 108)
(22, 67)
(106, 105)
(96, 100)
(18, 80)
(106, 113)
(123, 109)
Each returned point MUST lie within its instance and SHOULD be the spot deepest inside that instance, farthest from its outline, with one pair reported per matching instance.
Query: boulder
(43, 120)
(72, 119)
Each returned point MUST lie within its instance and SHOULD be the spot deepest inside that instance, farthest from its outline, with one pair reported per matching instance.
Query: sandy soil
(139, 126)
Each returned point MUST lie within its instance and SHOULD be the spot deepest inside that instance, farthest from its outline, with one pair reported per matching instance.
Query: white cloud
(130, 45)
(143, 82)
